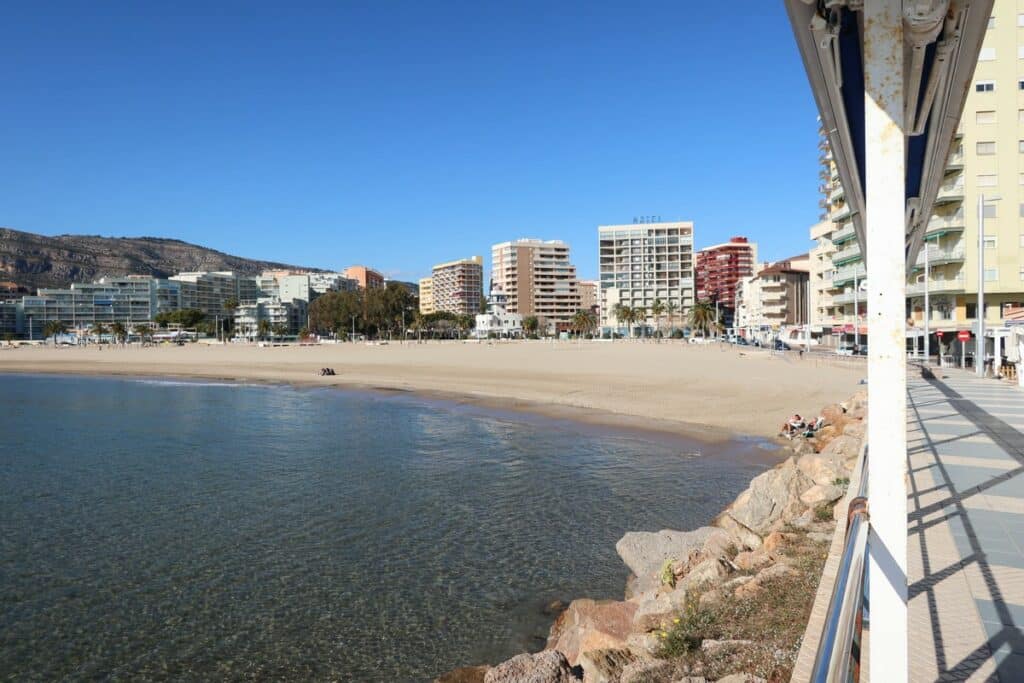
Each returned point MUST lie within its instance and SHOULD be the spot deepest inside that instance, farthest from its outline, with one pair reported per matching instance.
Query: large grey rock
(591, 625)
(656, 610)
(644, 644)
(821, 494)
(742, 536)
(772, 496)
(646, 552)
(549, 666)
(823, 468)
(605, 666)
(844, 447)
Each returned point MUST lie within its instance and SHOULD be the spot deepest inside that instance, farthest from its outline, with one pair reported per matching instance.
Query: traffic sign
(963, 335)
(938, 333)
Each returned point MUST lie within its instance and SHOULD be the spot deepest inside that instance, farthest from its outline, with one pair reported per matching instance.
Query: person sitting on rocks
(793, 425)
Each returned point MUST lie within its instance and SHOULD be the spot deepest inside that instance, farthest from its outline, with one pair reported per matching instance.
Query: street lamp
(354, 328)
(979, 351)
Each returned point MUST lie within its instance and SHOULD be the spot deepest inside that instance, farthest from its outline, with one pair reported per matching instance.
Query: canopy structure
(941, 41)
(890, 78)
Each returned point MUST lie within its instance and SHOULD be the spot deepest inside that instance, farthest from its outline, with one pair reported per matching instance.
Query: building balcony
(848, 274)
(936, 287)
(840, 213)
(940, 225)
(847, 297)
(956, 160)
(837, 193)
(843, 235)
(951, 192)
(847, 255)
(938, 256)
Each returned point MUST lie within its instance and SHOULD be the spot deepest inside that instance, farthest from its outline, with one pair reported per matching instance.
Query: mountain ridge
(37, 261)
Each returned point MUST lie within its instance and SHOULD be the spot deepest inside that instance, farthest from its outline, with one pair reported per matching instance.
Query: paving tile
(1007, 613)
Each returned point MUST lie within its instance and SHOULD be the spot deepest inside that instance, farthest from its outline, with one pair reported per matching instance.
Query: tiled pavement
(966, 529)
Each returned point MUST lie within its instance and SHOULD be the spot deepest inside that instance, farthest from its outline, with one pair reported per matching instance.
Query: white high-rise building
(641, 263)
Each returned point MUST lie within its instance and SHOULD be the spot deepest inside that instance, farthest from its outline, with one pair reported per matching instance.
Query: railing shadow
(1012, 442)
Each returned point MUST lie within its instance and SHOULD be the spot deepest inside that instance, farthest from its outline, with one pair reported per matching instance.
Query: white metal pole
(856, 311)
(887, 361)
(927, 307)
(979, 349)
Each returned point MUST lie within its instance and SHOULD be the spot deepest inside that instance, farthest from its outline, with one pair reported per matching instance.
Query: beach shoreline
(671, 389)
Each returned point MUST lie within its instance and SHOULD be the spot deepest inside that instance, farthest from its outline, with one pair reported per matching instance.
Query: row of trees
(372, 312)
(118, 331)
(702, 319)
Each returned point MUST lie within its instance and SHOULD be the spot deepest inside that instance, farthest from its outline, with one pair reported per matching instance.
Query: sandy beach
(708, 391)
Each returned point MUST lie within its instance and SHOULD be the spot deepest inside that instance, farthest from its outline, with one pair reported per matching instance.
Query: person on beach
(793, 425)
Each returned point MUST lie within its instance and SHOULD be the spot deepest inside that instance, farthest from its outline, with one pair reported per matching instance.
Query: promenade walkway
(966, 529)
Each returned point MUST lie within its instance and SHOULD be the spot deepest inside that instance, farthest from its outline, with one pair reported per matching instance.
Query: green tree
(98, 330)
(640, 316)
(584, 322)
(280, 330)
(54, 328)
(263, 329)
(657, 310)
(145, 332)
(626, 316)
(119, 332)
(531, 324)
(702, 317)
(671, 308)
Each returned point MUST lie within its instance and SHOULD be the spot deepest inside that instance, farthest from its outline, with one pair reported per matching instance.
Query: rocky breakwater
(727, 602)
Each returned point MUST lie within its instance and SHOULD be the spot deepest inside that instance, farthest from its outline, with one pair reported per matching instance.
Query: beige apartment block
(427, 296)
(539, 280)
(774, 299)
(458, 286)
(641, 263)
(589, 295)
(820, 276)
(987, 158)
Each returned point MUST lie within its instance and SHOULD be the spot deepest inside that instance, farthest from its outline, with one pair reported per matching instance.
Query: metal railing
(836, 661)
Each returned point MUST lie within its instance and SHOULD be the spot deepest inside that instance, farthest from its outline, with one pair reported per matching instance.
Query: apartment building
(427, 295)
(775, 299)
(281, 317)
(589, 297)
(987, 158)
(455, 287)
(720, 270)
(641, 263)
(209, 291)
(538, 279)
(366, 278)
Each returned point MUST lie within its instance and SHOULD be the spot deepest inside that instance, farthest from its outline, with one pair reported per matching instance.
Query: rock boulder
(772, 496)
(591, 625)
(645, 552)
(549, 666)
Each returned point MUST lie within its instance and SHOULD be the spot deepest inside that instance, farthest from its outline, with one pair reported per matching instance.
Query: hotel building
(721, 268)
(454, 287)
(987, 158)
(538, 279)
(641, 263)
(774, 299)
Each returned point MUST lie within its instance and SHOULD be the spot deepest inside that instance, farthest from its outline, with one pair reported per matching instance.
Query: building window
(988, 148)
(991, 22)
(987, 54)
(1022, 240)
(984, 86)
(989, 210)
(1020, 52)
(988, 180)
(991, 274)
(989, 241)
(985, 117)
(1022, 210)
(1022, 273)
(971, 310)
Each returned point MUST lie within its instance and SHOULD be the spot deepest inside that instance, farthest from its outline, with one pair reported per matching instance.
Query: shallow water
(195, 531)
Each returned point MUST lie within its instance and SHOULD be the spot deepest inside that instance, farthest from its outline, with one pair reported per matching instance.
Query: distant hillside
(35, 261)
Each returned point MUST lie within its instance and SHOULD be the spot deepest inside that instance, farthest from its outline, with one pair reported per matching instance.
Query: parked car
(701, 340)
(781, 345)
(845, 349)
(741, 341)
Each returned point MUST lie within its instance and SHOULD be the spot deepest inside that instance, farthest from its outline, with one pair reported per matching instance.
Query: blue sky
(400, 134)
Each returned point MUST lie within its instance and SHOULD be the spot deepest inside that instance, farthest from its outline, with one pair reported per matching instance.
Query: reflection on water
(170, 530)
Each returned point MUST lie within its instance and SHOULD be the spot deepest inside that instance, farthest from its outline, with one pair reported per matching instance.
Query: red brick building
(721, 267)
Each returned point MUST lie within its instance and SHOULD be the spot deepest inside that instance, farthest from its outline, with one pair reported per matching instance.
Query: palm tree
(144, 332)
(624, 314)
(54, 328)
(98, 330)
(119, 332)
(657, 310)
(584, 322)
(531, 324)
(671, 308)
(263, 329)
(640, 316)
(280, 330)
(702, 317)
